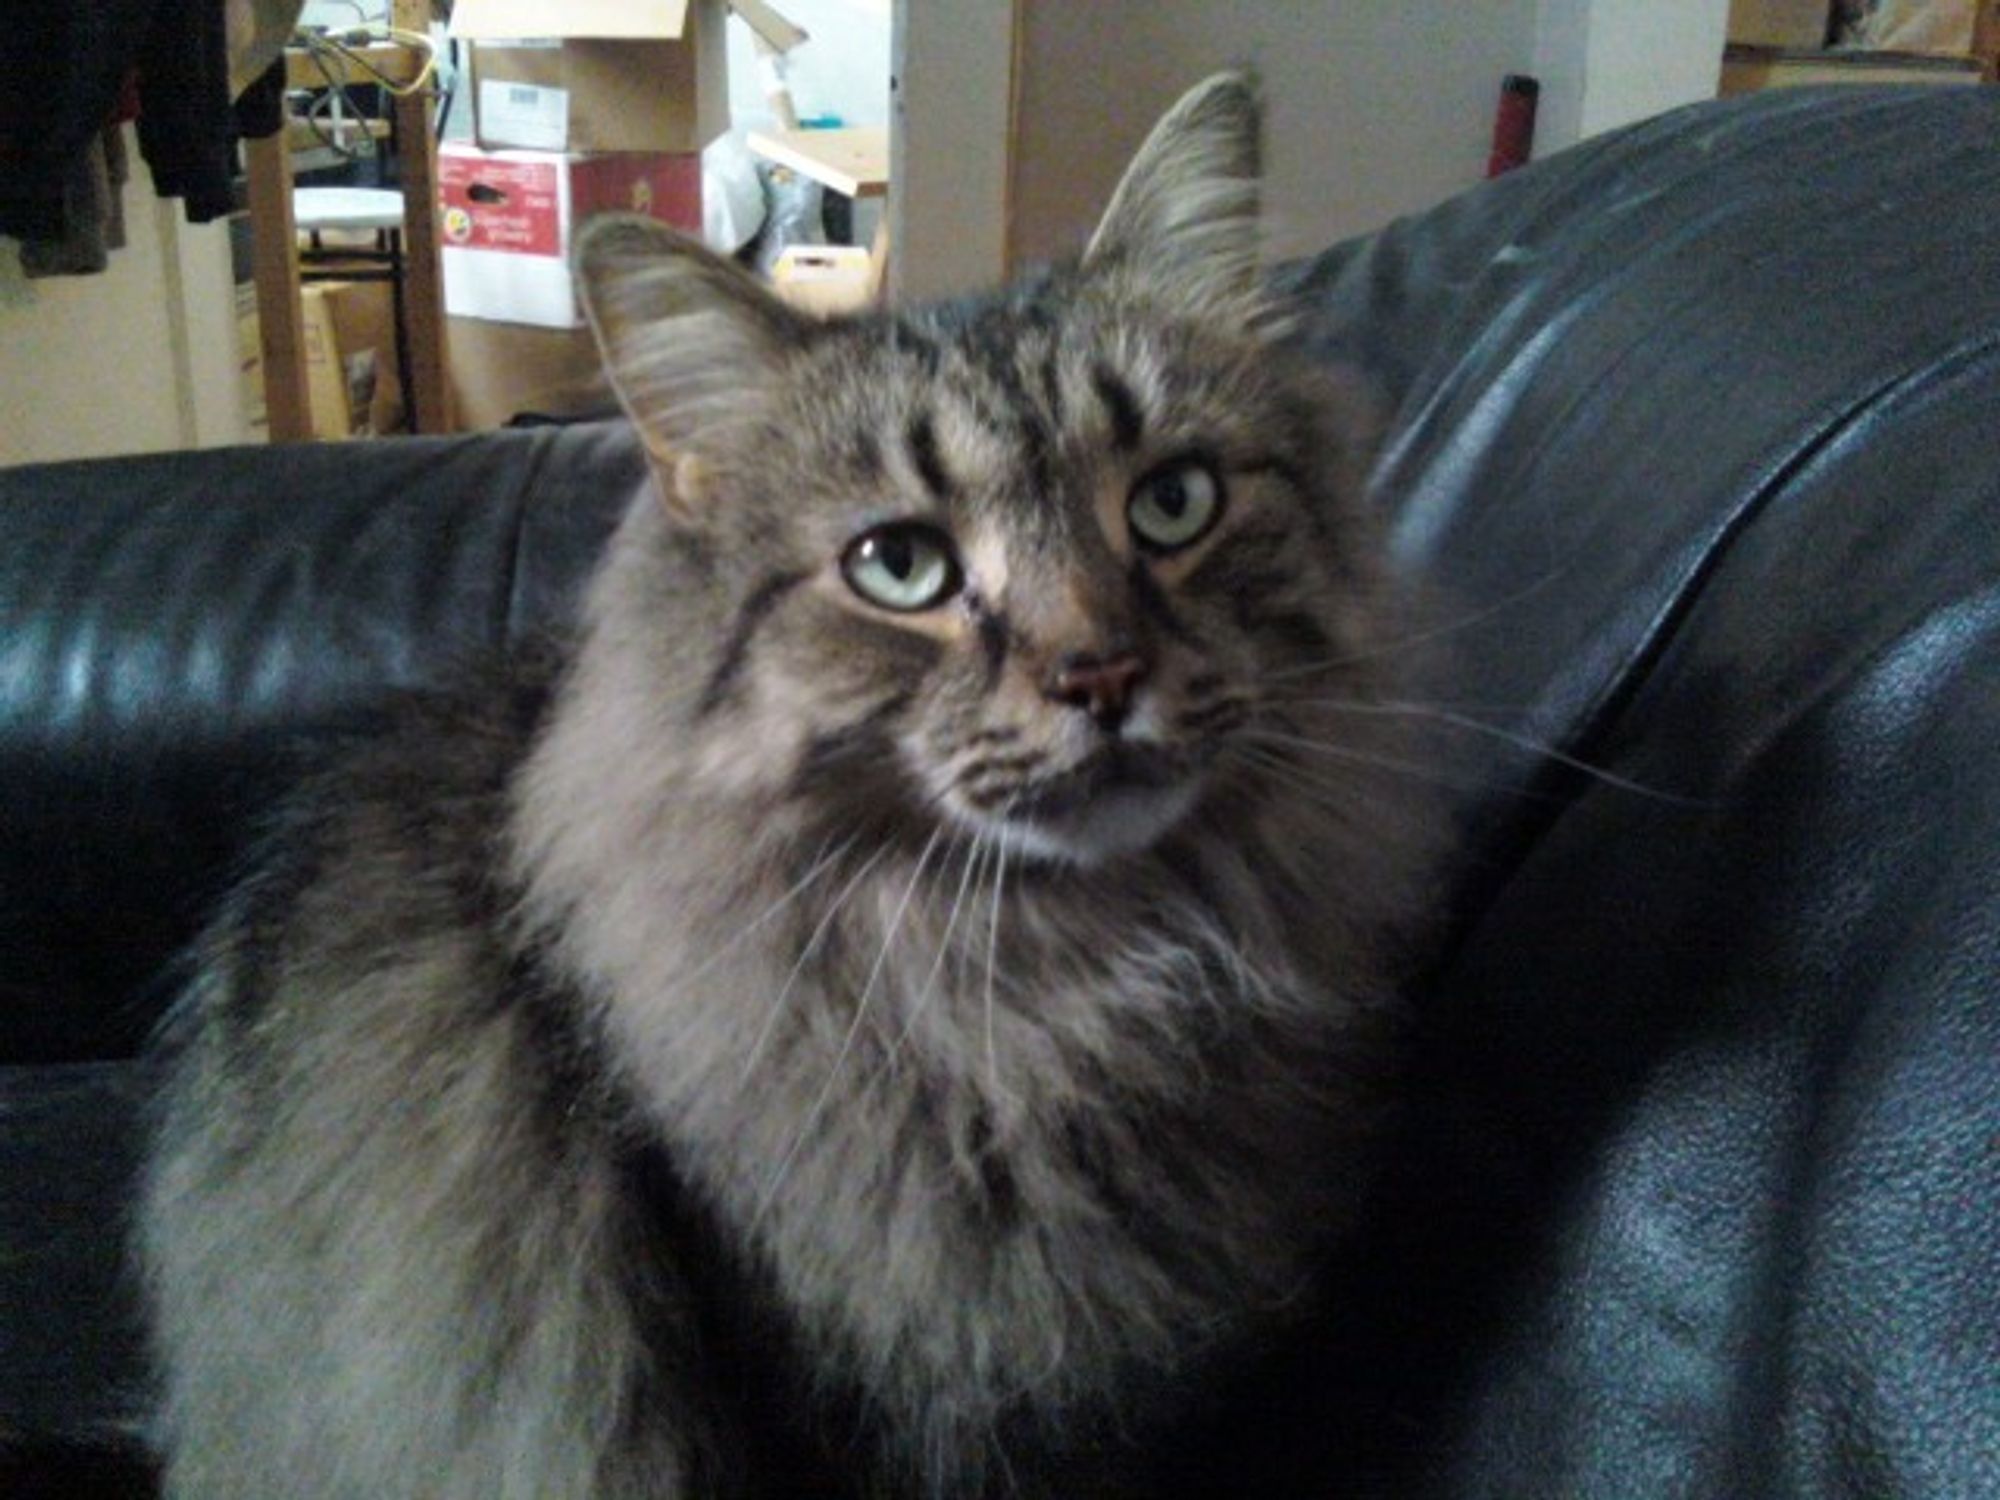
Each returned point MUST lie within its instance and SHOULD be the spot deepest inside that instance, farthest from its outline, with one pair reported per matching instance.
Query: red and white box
(509, 218)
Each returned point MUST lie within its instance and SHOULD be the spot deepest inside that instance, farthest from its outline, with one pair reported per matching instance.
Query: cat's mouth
(1114, 768)
(1121, 799)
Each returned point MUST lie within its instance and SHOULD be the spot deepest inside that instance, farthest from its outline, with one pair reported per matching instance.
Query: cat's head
(1027, 563)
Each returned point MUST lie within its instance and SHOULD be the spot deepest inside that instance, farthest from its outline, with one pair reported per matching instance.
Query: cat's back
(385, 858)
(378, 1156)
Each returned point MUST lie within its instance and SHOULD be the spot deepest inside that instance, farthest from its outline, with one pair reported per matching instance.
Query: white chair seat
(316, 208)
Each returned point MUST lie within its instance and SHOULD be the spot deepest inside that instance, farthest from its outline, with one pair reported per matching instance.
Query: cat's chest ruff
(931, 1083)
(1051, 1188)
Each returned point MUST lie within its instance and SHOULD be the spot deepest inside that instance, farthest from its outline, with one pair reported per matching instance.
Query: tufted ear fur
(691, 343)
(1183, 222)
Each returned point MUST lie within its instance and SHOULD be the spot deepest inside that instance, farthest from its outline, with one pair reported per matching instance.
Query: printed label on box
(508, 215)
(501, 205)
(523, 114)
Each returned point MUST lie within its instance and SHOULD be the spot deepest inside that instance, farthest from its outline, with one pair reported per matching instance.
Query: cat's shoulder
(460, 739)
(432, 753)
(390, 839)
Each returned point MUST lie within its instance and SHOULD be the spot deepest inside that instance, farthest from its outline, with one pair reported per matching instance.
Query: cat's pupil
(1170, 495)
(896, 554)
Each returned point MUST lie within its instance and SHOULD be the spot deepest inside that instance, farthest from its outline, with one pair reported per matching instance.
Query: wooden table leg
(424, 285)
(275, 266)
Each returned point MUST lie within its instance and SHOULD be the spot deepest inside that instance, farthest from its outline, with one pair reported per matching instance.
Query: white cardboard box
(604, 75)
(510, 217)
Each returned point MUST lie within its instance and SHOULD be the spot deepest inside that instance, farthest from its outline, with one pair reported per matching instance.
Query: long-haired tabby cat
(905, 998)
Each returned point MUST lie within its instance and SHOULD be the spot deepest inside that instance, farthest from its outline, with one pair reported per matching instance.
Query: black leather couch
(1697, 431)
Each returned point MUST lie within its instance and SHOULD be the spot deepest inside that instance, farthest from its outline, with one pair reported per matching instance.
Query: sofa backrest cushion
(173, 628)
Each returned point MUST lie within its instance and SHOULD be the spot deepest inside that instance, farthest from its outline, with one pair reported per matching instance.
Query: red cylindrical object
(1514, 124)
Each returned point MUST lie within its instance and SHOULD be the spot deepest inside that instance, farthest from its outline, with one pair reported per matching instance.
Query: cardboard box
(1779, 23)
(326, 385)
(824, 279)
(1941, 28)
(1745, 70)
(499, 371)
(509, 218)
(364, 327)
(596, 75)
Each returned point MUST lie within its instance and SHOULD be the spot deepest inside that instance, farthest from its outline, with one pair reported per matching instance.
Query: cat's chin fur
(1113, 823)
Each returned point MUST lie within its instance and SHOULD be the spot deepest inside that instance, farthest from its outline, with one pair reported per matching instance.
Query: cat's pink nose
(1100, 685)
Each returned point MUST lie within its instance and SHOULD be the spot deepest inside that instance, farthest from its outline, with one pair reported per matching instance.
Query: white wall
(950, 144)
(140, 358)
(1606, 63)
(1649, 56)
(1562, 58)
(843, 70)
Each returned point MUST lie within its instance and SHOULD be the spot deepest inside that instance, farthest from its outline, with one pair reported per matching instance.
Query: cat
(914, 988)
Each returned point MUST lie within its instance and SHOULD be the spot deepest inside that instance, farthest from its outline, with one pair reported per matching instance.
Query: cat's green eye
(1174, 506)
(905, 567)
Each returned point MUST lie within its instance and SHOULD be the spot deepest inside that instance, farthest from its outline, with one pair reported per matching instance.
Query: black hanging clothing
(94, 213)
(187, 130)
(63, 64)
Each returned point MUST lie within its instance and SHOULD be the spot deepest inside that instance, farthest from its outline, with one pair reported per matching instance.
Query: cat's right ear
(1183, 221)
(691, 343)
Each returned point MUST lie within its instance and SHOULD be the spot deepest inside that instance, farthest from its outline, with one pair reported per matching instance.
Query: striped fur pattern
(1000, 982)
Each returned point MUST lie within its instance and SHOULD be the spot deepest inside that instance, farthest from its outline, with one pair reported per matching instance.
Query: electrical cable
(325, 47)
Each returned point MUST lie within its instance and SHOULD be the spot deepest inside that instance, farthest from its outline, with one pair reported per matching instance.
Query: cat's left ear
(1183, 223)
(692, 344)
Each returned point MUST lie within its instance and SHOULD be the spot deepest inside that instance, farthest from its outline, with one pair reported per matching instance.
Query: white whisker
(974, 859)
(1505, 736)
(992, 953)
(822, 862)
(819, 1104)
(805, 955)
(1416, 770)
(1423, 637)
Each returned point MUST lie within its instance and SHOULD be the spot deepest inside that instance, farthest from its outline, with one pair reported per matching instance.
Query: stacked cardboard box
(1785, 43)
(511, 216)
(579, 108)
(1931, 28)
(824, 279)
(1779, 23)
(352, 388)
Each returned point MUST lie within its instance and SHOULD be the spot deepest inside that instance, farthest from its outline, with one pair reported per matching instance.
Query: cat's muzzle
(1121, 799)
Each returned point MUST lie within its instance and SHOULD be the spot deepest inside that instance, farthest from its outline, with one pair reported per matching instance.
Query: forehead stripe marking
(1052, 390)
(867, 454)
(1127, 425)
(925, 458)
(749, 616)
(1037, 442)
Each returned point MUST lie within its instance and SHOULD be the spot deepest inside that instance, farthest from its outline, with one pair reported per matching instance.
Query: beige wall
(140, 358)
(1020, 112)
(1377, 107)
(949, 144)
